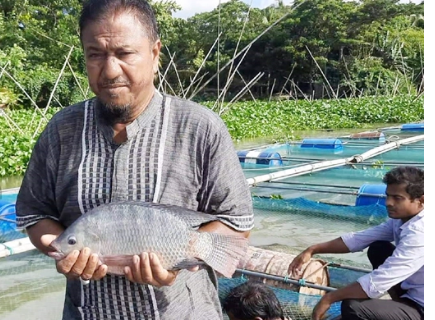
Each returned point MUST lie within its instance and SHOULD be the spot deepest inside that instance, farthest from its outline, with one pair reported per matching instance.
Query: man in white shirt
(397, 269)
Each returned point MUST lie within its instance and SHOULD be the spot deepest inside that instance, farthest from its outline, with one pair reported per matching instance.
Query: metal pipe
(285, 280)
(323, 191)
(314, 184)
(367, 163)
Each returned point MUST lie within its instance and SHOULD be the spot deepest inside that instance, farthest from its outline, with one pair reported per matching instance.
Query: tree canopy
(320, 48)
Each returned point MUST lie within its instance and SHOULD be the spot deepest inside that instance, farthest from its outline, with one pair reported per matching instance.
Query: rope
(317, 270)
(7, 220)
(302, 282)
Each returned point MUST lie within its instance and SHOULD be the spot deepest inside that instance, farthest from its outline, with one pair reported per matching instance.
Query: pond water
(30, 288)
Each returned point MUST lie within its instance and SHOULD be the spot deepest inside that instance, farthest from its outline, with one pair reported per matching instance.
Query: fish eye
(72, 240)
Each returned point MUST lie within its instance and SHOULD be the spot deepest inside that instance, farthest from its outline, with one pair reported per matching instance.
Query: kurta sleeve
(36, 198)
(225, 190)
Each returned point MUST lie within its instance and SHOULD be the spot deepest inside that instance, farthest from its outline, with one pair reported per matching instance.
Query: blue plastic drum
(419, 127)
(334, 144)
(259, 157)
(7, 217)
(369, 194)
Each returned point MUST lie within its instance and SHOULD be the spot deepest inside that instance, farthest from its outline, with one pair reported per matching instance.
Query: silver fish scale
(128, 229)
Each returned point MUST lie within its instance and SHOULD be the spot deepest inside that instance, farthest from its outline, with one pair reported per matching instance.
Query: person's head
(252, 301)
(405, 192)
(121, 46)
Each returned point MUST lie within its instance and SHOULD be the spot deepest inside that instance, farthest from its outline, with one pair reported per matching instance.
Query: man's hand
(296, 265)
(147, 269)
(321, 308)
(77, 264)
(82, 264)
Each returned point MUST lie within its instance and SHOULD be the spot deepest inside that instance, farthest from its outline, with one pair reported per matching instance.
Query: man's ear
(156, 55)
(421, 199)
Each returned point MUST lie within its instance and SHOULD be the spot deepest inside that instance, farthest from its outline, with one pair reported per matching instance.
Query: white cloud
(192, 7)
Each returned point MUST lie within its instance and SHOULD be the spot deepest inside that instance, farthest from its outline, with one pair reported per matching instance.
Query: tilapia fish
(119, 230)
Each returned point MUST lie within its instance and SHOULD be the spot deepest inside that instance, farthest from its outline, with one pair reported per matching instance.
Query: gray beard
(113, 113)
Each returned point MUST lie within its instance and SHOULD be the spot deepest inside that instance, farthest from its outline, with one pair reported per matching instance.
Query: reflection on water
(292, 233)
(10, 182)
(30, 287)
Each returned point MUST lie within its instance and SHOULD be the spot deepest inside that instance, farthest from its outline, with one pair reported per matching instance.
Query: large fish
(119, 230)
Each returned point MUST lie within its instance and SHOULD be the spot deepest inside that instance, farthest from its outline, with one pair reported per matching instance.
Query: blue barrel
(259, 157)
(7, 217)
(333, 144)
(413, 127)
(369, 194)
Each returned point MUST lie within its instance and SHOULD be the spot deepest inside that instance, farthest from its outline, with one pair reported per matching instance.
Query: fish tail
(221, 252)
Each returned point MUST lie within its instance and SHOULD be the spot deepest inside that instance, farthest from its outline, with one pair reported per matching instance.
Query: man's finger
(81, 263)
(135, 270)
(65, 265)
(90, 267)
(161, 275)
(193, 269)
(47, 239)
(145, 269)
(100, 272)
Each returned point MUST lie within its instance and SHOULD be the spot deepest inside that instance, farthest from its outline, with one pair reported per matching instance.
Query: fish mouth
(57, 254)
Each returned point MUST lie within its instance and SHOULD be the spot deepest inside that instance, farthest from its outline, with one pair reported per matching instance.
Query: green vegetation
(312, 48)
(315, 64)
(279, 119)
(244, 120)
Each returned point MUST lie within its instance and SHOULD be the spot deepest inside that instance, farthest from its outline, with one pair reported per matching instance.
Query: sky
(192, 7)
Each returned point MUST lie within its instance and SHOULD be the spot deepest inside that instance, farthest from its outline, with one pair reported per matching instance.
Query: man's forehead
(396, 189)
(123, 26)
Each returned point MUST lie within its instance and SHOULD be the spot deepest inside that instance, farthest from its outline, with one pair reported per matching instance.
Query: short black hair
(253, 299)
(94, 10)
(412, 177)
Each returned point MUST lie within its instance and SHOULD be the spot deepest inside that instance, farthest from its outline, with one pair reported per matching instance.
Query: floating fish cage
(323, 203)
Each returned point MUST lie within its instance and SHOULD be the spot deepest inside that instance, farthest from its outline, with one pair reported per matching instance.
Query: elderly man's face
(120, 61)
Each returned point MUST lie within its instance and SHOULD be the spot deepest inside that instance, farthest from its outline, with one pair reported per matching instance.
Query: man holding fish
(129, 145)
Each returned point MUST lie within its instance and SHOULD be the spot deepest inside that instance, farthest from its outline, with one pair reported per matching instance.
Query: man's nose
(389, 201)
(112, 69)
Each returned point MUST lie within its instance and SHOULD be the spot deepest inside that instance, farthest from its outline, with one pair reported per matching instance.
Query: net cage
(291, 213)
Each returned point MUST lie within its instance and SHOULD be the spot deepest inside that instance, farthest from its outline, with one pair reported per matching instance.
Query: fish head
(74, 239)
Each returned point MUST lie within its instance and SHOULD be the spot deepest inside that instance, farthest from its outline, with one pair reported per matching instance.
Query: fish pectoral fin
(117, 260)
(221, 252)
(188, 263)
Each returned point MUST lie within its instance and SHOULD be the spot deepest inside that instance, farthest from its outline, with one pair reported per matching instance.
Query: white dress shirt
(405, 265)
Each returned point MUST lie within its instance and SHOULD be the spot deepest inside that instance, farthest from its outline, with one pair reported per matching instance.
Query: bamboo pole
(241, 52)
(244, 82)
(201, 66)
(15, 246)
(323, 165)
